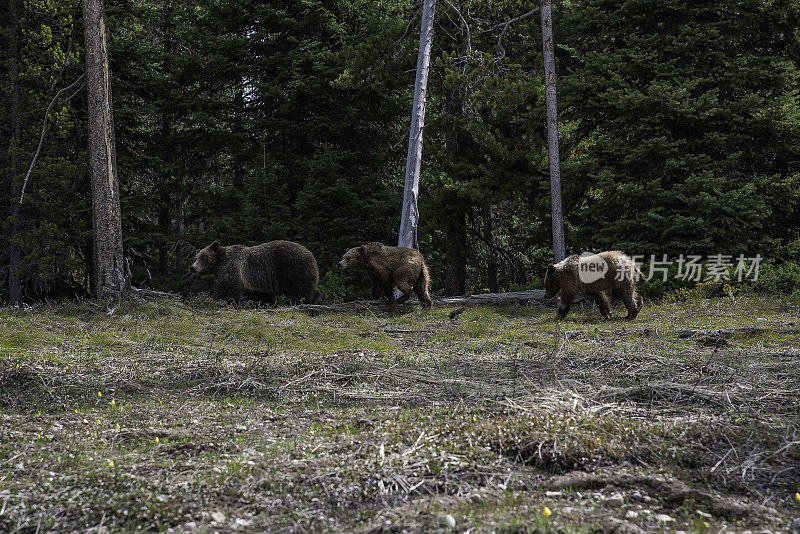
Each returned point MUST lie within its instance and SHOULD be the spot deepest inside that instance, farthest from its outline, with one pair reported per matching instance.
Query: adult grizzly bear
(261, 272)
(595, 276)
(388, 267)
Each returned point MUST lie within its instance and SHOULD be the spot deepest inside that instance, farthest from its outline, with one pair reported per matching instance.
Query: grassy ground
(196, 415)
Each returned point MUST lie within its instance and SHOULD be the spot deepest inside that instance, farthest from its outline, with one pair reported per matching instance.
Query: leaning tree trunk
(548, 55)
(15, 254)
(109, 268)
(410, 215)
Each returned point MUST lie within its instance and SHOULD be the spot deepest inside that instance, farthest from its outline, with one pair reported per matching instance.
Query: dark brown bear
(390, 267)
(595, 276)
(261, 272)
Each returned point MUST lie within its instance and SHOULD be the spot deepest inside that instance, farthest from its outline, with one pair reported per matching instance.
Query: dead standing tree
(548, 56)
(109, 268)
(15, 255)
(548, 59)
(410, 215)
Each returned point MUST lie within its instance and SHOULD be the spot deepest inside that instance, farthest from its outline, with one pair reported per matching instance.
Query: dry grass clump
(196, 416)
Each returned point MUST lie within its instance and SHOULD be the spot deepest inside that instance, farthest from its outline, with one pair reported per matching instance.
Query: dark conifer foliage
(245, 121)
(687, 113)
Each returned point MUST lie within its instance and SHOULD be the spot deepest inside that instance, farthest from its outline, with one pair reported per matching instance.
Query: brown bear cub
(595, 276)
(261, 272)
(390, 267)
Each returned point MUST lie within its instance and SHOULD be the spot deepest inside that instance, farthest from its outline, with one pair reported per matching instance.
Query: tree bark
(455, 280)
(531, 297)
(109, 267)
(164, 220)
(15, 254)
(410, 215)
(559, 249)
(491, 262)
(238, 126)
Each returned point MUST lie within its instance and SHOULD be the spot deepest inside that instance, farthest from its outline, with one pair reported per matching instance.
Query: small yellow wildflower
(99, 394)
(546, 512)
(76, 410)
(157, 440)
(797, 497)
(117, 426)
(98, 421)
(111, 463)
(113, 403)
(705, 524)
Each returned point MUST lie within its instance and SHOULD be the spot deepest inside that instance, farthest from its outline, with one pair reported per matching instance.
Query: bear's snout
(342, 264)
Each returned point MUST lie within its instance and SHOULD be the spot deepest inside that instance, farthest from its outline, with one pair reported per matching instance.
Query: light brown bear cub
(595, 276)
(261, 272)
(388, 267)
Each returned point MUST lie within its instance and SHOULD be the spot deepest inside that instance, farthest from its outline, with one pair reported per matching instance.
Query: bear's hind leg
(406, 289)
(422, 294)
(630, 302)
(305, 298)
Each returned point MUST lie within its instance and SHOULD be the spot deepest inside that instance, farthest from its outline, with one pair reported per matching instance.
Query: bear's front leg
(603, 304)
(377, 290)
(388, 291)
(564, 305)
(228, 292)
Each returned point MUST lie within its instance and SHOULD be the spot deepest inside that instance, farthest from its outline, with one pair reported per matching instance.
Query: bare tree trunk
(491, 263)
(15, 254)
(410, 215)
(109, 267)
(179, 223)
(455, 277)
(164, 221)
(238, 125)
(559, 250)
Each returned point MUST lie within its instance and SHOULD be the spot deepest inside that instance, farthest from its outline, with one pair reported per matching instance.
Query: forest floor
(193, 415)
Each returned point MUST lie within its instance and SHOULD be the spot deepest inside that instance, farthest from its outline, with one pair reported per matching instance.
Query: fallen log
(532, 297)
(727, 333)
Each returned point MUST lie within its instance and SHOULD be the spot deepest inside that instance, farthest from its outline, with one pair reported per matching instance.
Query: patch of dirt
(671, 491)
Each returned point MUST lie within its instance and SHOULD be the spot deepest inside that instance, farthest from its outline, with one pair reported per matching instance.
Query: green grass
(347, 421)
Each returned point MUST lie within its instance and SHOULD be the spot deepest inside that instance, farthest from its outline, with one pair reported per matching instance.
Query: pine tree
(43, 238)
(688, 115)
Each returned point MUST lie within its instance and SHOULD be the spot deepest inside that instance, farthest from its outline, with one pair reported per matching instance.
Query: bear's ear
(214, 246)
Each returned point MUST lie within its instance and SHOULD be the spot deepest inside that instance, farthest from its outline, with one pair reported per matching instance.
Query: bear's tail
(422, 287)
(636, 272)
